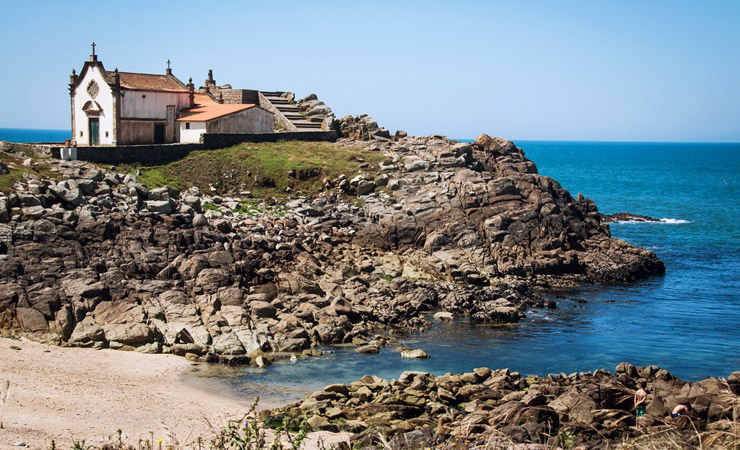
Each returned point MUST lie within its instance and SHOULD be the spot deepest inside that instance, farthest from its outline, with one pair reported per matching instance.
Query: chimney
(191, 88)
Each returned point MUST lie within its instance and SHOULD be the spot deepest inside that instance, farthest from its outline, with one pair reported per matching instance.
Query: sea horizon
(4, 131)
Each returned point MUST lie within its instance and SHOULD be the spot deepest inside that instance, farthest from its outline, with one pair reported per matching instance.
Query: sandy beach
(71, 394)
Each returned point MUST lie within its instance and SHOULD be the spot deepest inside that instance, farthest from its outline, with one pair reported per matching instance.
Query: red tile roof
(150, 82)
(204, 99)
(204, 113)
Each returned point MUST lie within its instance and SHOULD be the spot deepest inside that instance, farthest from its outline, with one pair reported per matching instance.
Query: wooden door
(94, 131)
(159, 133)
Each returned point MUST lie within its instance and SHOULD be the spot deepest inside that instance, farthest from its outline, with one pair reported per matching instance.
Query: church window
(93, 89)
(187, 125)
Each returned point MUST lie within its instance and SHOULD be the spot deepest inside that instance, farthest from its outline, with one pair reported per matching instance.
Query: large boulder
(574, 406)
(32, 320)
(228, 344)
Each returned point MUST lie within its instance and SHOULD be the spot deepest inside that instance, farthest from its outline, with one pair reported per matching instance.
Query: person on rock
(640, 402)
(680, 410)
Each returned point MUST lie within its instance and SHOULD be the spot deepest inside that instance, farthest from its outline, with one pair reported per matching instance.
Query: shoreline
(67, 394)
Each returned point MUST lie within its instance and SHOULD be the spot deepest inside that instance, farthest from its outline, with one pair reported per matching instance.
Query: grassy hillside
(265, 169)
(39, 166)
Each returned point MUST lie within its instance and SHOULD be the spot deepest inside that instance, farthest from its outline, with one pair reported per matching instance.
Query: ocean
(687, 321)
(33, 135)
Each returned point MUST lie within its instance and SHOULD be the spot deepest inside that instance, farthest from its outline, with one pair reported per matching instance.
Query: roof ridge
(140, 73)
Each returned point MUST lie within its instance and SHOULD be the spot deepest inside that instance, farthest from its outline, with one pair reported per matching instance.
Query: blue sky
(565, 70)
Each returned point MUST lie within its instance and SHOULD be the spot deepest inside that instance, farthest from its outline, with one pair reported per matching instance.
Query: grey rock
(32, 320)
(368, 349)
(160, 206)
(4, 210)
(199, 220)
(194, 202)
(365, 187)
(33, 212)
(228, 344)
(262, 309)
(414, 354)
(71, 196)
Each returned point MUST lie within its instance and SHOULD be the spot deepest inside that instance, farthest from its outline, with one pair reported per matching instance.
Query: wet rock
(368, 349)
(414, 354)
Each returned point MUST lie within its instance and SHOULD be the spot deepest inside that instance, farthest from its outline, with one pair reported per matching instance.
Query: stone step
(291, 112)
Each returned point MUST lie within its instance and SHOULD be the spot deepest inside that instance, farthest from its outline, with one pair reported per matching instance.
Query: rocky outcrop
(315, 110)
(628, 217)
(95, 258)
(360, 128)
(483, 211)
(590, 409)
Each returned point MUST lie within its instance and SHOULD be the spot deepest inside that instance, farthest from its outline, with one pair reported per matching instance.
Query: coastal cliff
(92, 257)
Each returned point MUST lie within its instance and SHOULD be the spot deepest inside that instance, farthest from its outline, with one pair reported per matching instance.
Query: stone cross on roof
(168, 63)
(93, 48)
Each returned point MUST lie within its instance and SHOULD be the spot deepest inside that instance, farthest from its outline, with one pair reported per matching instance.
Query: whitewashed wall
(192, 136)
(104, 98)
(151, 104)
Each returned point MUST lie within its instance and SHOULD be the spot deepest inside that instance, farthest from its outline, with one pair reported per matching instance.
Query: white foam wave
(674, 221)
(668, 221)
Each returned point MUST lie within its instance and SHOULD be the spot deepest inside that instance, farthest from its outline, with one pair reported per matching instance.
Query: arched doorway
(93, 110)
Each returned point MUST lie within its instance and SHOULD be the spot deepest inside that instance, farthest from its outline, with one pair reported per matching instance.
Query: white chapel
(126, 108)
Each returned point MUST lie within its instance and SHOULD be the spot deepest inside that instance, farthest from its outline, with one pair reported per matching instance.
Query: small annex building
(209, 116)
(126, 108)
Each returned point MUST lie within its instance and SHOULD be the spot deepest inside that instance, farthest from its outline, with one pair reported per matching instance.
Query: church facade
(126, 108)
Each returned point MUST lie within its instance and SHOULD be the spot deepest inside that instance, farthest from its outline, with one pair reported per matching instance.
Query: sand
(70, 394)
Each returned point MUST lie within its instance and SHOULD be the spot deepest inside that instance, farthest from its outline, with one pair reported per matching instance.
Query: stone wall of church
(236, 96)
(137, 132)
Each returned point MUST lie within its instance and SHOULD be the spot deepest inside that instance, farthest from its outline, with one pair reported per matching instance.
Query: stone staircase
(280, 106)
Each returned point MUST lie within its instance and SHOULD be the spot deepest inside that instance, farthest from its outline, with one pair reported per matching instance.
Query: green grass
(42, 168)
(265, 168)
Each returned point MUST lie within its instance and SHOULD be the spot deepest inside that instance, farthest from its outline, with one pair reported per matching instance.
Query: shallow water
(687, 321)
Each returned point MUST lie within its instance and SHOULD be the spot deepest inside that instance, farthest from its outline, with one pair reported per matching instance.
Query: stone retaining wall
(213, 141)
(165, 153)
(129, 154)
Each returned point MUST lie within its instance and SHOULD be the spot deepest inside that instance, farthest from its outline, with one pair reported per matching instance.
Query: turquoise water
(687, 321)
(33, 135)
